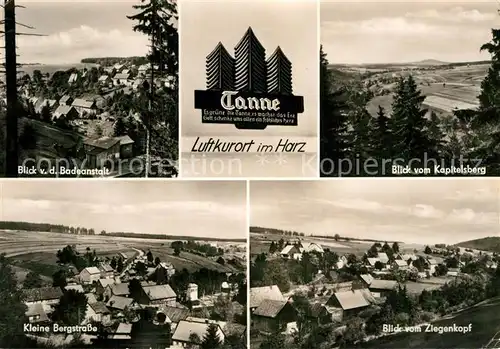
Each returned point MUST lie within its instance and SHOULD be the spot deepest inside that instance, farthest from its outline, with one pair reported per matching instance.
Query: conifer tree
(380, 136)
(408, 122)
(211, 339)
(436, 134)
(333, 120)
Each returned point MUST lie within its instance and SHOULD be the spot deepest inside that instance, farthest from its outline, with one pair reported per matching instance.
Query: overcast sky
(77, 29)
(203, 208)
(413, 211)
(292, 25)
(406, 31)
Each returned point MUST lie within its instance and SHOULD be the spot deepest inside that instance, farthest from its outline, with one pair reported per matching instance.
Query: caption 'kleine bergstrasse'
(55, 328)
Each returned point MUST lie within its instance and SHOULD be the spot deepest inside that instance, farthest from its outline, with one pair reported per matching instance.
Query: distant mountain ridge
(430, 62)
(491, 244)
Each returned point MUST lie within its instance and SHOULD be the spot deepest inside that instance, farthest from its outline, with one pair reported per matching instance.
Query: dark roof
(99, 308)
(41, 294)
(270, 308)
(103, 142)
(175, 314)
(235, 329)
(315, 310)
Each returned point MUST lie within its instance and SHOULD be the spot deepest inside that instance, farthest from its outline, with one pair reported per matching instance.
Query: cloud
(72, 45)
(395, 26)
(455, 15)
(156, 208)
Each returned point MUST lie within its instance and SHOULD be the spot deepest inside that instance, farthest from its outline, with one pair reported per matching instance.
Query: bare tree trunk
(11, 158)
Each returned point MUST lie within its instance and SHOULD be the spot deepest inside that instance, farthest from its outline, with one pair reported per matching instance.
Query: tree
(272, 248)
(33, 280)
(395, 247)
(150, 257)
(335, 144)
(275, 273)
(273, 341)
(157, 261)
(135, 289)
(119, 266)
(113, 263)
(223, 306)
(177, 251)
(380, 135)
(119, 128)
(71, 308)
(59, 279)
(379, 265)
(13, 309)
(211, 340)
(427, 250)
(45, 113)
(336, 237)
(354, 331)
(408, 123)
(194, 341)
(140, 268)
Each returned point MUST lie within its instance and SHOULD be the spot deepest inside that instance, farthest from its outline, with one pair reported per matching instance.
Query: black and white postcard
(123, 264)
(90, 89)
(248, 92)
(375, 263)
(410, 88)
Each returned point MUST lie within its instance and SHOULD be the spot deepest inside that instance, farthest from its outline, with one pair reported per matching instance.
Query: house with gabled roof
(66, 112)
(400, 264)
(101, 151)
(36, 314)
(66, 100)
(107, 272)
(259, 294)
(182, 334)
(89, 275)
(123, 332)
(120, 303)
(342, 305)
(158, 295)
(173, 315)
(116, 289)
(98, 312)
(73, 78)
(272, 314)
(84, 107)
(291, 252)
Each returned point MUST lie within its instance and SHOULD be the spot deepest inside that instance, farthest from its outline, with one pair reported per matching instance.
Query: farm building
(342, 305)
(291, 252)
(117, 290)
(121, 79)
(89, 275)
(43, 295)
(106, 271)
(98, 312)
(36, 314)
(400, 264)
(101, 151)
(183, 331)
(126, 147)
(66, 112)
(310, 247)
(73, 78)
(120, 303)
(105, 80)
(66, 100)
(173, 315)
(77, 288)
(272, 315)
(259, 294)
(102, 284)
(158, 295)
(84, 107)
(380, 288)
(124, 331)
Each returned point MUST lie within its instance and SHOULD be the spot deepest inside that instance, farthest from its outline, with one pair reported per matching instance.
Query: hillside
(107, 61)
(491, 243)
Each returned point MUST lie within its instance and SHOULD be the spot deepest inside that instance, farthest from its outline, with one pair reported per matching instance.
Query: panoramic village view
(104, 99)
(127, 271)
(365, 264)
(391, 77)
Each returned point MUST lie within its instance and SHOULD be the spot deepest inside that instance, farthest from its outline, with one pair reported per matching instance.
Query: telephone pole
(11, 157)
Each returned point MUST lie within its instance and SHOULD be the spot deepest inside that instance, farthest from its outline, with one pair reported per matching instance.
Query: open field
(259, 243)
(37, 250)
(485, 320)
(457, 86)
